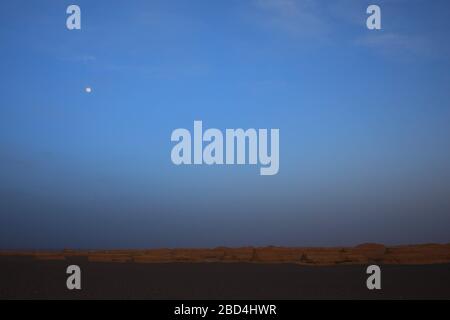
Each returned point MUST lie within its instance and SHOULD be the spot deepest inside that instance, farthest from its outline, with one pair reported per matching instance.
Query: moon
(88, 89)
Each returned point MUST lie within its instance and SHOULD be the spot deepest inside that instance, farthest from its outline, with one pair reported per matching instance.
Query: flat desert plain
(407, 272)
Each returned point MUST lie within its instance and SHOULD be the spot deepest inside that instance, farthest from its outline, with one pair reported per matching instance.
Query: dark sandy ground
(24, 278)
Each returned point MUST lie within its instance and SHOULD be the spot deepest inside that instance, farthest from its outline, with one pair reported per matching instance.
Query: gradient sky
(364, 119)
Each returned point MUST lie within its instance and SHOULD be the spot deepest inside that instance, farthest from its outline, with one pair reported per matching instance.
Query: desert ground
(408, 272)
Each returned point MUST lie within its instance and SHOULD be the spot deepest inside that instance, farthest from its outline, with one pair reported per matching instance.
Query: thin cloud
(297, 17)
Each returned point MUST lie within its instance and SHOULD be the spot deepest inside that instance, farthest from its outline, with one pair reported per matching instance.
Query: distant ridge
(361, 254)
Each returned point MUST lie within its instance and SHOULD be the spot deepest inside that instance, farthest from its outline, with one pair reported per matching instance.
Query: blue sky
(363, 118)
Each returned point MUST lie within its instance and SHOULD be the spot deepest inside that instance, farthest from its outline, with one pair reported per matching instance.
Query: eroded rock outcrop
(361, 254)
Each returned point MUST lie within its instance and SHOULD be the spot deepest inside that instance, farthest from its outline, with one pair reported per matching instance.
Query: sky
(363, 117)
